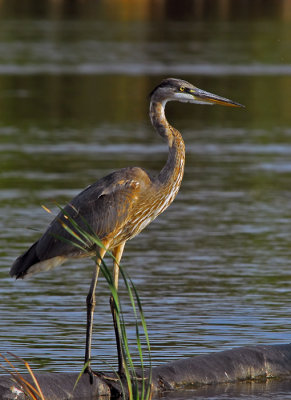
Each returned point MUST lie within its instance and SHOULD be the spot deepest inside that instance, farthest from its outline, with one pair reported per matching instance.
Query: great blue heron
(120, 205)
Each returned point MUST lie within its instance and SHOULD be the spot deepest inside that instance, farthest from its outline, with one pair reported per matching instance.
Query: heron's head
(172, 89)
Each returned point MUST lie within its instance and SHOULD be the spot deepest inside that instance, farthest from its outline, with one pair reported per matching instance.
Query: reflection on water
(213, 271)
(252, 390)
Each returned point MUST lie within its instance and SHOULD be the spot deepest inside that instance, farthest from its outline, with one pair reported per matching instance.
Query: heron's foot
(140, 378)
(122, 377)
(105, 377)
(99, 375)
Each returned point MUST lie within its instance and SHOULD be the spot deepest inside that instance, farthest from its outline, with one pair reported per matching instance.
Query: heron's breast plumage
(150, 202)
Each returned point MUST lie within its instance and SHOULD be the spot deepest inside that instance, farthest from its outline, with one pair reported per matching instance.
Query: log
(56, 386)
(239, 364)
(257, 363)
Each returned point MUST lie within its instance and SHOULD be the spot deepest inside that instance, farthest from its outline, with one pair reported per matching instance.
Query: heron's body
(117, 208)
(120, 205)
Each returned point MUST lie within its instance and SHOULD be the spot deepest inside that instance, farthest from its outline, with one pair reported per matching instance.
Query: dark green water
(213, 271)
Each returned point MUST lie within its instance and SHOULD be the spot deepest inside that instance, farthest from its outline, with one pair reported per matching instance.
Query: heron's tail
(22, 264)
(30, 263)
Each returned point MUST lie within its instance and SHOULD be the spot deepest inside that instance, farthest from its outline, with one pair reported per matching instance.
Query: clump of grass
(138, 386)
(30, 391)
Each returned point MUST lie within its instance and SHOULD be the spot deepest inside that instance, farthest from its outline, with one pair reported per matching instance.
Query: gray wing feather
(100, 208)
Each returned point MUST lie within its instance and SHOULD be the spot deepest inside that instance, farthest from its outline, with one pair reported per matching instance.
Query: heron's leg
(117, 252)
(90, 309)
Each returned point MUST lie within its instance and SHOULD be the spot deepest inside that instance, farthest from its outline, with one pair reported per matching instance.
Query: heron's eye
(182, 88)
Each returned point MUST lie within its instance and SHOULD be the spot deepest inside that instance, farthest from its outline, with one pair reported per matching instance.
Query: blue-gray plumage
(118, 206)
(105, 206)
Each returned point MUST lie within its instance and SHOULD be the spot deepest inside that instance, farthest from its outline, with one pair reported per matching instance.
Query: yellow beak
(210, 98)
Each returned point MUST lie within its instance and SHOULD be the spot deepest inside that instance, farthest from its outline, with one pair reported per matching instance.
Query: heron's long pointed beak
(211, 98)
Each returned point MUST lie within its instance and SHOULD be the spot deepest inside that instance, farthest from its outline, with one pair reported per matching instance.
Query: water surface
(213, 271)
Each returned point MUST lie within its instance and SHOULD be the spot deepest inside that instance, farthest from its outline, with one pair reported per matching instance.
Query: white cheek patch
(183, 97)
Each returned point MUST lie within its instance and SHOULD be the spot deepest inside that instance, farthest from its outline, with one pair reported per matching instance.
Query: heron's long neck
(172, 172)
